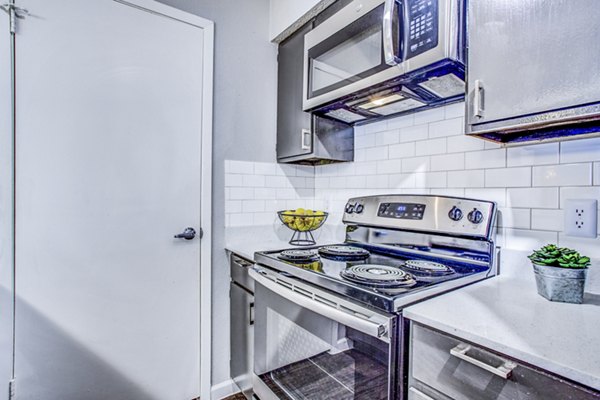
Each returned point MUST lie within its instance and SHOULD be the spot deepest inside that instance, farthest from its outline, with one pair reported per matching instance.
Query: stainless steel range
(329, 319)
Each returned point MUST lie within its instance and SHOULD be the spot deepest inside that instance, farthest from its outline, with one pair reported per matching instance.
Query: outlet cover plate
(581, 217)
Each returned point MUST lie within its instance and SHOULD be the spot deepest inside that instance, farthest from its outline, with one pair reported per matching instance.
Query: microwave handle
(388, 33)
(378, 329)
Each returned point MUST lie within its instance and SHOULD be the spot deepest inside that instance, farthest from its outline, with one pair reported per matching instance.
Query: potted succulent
(560, 273)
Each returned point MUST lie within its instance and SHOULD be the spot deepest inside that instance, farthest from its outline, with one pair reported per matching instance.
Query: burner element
(344, 253)
(378, 276)
(427, 267)
(299, 256)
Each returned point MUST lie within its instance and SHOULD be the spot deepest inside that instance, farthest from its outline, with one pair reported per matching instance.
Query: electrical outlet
(581, 218)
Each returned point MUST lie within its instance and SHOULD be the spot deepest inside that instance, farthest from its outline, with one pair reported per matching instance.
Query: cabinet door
(530, 57)
(294, 135)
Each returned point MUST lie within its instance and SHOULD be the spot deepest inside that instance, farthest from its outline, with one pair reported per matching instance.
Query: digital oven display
(401, 210)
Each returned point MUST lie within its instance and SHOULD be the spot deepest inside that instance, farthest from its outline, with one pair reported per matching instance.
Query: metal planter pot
(565, 285)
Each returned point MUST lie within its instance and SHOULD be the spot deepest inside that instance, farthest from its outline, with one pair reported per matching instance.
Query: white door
(6, 214)
(108, 163)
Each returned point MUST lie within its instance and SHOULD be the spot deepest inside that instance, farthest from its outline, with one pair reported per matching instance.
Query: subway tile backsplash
(255, 191)
(427, 153)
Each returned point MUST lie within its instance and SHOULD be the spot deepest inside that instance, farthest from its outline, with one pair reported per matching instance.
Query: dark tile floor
(350, 375)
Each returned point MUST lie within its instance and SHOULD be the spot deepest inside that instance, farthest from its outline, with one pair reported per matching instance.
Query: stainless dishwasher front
(242, 324)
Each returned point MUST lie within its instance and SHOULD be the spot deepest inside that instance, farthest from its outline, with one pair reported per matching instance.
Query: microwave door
(350, 50)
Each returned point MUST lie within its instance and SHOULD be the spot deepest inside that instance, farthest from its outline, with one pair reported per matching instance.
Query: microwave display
(401, 210)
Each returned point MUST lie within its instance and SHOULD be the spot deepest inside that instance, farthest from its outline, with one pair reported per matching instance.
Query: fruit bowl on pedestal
(302, 222)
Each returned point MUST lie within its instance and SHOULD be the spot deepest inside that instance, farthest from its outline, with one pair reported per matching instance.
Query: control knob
(475, 216)
(455, 214)
(358, 208)
(349, 208)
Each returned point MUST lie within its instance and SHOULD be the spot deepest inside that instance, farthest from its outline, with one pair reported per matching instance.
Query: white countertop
(245, 241)
(507, 315)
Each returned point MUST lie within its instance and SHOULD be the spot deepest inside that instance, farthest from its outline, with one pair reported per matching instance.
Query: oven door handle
(374, 325)
(388, 33)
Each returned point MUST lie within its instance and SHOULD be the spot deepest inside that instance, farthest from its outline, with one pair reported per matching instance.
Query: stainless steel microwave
(375, 58)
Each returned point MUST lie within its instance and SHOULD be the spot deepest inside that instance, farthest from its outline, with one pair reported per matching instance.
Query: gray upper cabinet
(294, 136)
(301, 137)
(533, 65)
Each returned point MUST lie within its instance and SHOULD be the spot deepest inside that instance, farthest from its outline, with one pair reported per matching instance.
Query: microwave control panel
(422, 31)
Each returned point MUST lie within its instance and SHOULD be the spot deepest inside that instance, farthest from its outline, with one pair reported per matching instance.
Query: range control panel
(426, 213)
(401, 210)
(422, 32)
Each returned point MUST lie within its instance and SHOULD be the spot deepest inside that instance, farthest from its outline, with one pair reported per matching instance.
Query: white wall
(245, 102)
(284, 13)
(428, 153)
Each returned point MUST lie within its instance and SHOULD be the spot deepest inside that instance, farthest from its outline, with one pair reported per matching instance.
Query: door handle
(187, 234)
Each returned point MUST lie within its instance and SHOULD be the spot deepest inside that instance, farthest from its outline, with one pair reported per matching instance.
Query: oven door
(357, 47)
(310, 344)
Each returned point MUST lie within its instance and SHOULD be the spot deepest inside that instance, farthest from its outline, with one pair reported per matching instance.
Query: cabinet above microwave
(304, 138)
(534, 70)
(377, 58)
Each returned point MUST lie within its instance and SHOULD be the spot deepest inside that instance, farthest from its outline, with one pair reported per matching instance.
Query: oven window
(351, 54)
(303, 355)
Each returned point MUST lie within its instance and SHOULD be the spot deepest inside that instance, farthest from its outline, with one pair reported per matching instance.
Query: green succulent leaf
(564, 257)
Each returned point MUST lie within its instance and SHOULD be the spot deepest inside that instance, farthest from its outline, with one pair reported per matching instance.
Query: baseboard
(223, 389)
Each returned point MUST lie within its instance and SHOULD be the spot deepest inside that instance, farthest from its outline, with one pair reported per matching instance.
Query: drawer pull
(504, 371)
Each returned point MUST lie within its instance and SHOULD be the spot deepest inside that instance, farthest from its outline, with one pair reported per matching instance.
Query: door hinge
(11, 389)
(14, 12)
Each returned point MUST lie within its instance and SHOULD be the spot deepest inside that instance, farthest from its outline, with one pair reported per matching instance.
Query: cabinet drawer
(463, 371)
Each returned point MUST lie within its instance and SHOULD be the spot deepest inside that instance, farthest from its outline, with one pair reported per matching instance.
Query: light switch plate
(581, 217)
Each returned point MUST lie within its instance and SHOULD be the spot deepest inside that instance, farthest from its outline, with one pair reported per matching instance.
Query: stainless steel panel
(437, 373)
(241, 337)
(239, 272)
(435, 218)
(393, 240)
(447, 47)
(416, 394)
(532, 56)
(362, 319)
(262, 390)
(241, 294)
